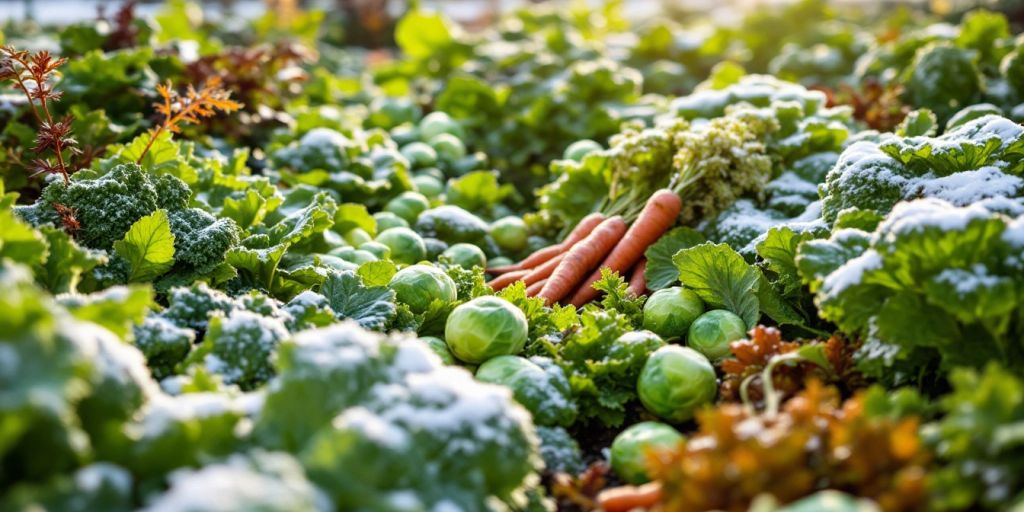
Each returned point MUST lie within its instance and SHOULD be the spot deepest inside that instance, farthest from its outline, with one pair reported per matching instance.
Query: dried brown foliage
(190, 108)
(879, 106)
(34, 74)
(815, 442)
(751, 356)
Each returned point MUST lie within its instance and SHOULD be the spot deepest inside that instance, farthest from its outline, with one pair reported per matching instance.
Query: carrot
(638, 281)
(506, 279)
(542, 272)
(624, 499)
(535, 288)
(582, 229)
(582, 258)
(658, 215)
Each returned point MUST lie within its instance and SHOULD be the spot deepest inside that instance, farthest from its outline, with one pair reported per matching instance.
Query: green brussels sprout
(332, 261)
(439, 347)
(429, 186)
(501, 261)
(405, 134)
(485, 327)
(419, 285)
(453, 225)
(388, 220)
(388, 112)
(675, 381)
(830, 501)
(354, 255)
(333, 239)
(633, 342)
(510, 233)
(406, 246)
(448, 146)
(435, 248)
(711, 333)
(408, 206)
(466, 255)
(419, 155)
(432, 172)
(381, 251)
(631, 447)
(436, 123)
(357, 236)
(579, 149)
(670, 311)
(543, 391)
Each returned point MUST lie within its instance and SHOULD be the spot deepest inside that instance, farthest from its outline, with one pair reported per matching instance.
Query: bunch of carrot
(565, 272)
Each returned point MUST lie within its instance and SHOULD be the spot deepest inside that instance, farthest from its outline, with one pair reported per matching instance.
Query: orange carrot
(658, 215)
(543, 271)
(638, 281)
(582, 258)
(582, 229)
(624, 499)
(535, 288)
(506, 279)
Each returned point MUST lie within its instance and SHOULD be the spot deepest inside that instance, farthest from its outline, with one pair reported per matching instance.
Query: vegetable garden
(566, 261)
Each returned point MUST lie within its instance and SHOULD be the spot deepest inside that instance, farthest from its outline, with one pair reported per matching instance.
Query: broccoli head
(107, 206)
(258, 480)
(377, 420)
(191, 307)
(163, 343)
(239, 346)
(200, 239)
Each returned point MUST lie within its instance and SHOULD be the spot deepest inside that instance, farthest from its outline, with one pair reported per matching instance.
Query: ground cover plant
(562, 259)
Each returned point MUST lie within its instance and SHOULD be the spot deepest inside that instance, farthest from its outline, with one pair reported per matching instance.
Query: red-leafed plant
(33, 74)
(190, 108)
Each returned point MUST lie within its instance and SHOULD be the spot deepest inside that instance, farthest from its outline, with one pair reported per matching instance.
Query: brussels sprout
(435, 248)
(408, 206)
(332, 261)
(675, 381)
(357, 236)
(388, 112)
(439, 347)
(711, 333)
(830, 501)
(406, 246)
(501, 261)
(432, 172)
(333, 240)
(381, 251)
(353, 255)
(419, 155)
(543, 391)
(453, 225)
(634, 342)
(436, 123)
(388, 220)
(466, 255)
(579, 149)
(419, 285)
(485, 327)
(405, 134)
(631, 447)
(510, 233)
(429, 186)
(670, 311)
(448, 146)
